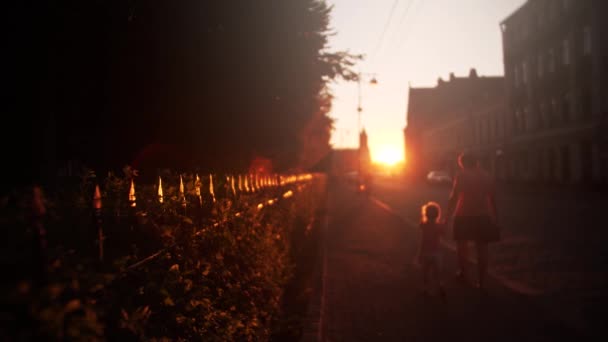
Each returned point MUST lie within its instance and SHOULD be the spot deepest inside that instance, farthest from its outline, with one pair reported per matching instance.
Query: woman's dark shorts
(475, 228)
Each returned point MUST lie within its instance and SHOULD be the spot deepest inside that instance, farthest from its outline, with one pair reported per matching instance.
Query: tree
(179, 84)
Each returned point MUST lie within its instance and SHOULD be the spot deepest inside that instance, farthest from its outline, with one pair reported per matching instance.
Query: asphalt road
(371, 285)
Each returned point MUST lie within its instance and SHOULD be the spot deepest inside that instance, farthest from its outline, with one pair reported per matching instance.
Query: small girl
(429, 255)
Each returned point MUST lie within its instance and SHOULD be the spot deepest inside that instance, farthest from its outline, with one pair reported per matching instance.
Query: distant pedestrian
(473, 205)
(429, 254)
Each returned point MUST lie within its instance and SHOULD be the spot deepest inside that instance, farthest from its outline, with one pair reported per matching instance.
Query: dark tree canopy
(181, 84)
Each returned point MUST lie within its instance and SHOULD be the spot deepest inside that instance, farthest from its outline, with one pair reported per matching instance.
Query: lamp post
(372, 81)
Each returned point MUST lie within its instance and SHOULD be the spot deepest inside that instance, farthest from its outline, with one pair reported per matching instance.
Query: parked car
(439, 177)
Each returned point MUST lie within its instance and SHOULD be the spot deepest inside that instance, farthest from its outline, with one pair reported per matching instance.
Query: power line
(405, 13)
(406, 32)
(386, 25)
(402, 20)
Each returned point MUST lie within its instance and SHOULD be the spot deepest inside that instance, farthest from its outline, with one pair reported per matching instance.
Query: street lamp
(372, 81)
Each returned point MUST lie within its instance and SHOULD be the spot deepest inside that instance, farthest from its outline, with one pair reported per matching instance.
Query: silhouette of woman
(472, 204)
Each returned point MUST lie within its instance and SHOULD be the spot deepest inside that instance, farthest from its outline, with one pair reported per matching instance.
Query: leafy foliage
(218, 276)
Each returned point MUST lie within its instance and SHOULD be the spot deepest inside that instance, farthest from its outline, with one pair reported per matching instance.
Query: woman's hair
(431, 212)
(467, 160)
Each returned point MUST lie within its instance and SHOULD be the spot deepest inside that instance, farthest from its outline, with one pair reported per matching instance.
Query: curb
(313, 329)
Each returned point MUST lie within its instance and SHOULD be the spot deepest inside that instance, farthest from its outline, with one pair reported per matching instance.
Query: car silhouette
(439, 177)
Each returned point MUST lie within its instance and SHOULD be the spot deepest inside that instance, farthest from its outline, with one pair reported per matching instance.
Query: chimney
(473, 73)
(439, 81)
(452, 77)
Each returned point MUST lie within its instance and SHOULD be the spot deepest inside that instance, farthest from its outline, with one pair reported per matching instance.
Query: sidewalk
(370, 288)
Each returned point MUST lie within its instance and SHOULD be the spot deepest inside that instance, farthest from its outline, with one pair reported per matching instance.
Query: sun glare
(388, 155)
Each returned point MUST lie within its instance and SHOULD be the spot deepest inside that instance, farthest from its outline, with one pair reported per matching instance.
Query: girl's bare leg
(439, 282)
(482, 262)
(425, 276)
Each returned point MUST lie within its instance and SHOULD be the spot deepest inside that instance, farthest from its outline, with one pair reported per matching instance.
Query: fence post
(40, 242)
(182, 194)
(132, 205)
(211, 188)
(98, 221)
(160, 190)
(233, 187)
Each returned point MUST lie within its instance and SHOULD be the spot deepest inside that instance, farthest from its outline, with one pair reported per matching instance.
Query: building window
(551, 60)
(549, 113)
(484, 131)
(555, 116)
(540, 65)
(525, 73)
(585, 104)
(523, 164)
(516, 76)
(519, 121)
(565, 5)
(498, 126)
(527, 118)
(565, 113)
(487, 130)
(544, 115)
(566, 52)
(540, 19)
(587, 43)
(553, 10)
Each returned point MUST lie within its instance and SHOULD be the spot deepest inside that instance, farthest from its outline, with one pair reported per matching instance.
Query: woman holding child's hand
(472, 203)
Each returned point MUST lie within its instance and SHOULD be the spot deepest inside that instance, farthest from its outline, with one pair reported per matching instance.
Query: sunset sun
(388, 155)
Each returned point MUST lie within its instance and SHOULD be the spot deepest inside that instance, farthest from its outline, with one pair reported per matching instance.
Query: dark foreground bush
(219, 273)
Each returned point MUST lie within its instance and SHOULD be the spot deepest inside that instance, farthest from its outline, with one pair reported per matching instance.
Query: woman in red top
(473, 205)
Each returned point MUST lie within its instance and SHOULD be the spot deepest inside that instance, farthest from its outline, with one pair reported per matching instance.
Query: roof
(426, 105)
(515, 13)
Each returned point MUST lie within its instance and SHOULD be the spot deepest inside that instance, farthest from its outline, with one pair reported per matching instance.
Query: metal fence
(195, 198)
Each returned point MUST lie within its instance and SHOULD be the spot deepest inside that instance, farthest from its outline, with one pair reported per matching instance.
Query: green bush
(221, 274)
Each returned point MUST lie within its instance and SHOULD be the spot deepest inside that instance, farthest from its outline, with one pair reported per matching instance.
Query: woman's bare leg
(482, 262)
(462, 249)
(425, 276)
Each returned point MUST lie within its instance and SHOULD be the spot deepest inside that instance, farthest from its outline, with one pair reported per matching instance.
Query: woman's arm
(453, 198)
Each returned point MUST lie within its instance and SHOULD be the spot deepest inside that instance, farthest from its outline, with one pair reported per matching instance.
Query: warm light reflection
(97, 198)
(388, 155)
(160, 190)
(197, 185)
(197, 189)
(132, 194)
(181, 187)
(182, 194)
(211, 191)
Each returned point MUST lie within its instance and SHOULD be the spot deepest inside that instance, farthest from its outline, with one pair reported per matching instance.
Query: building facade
(459, 114)
(556, 77)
